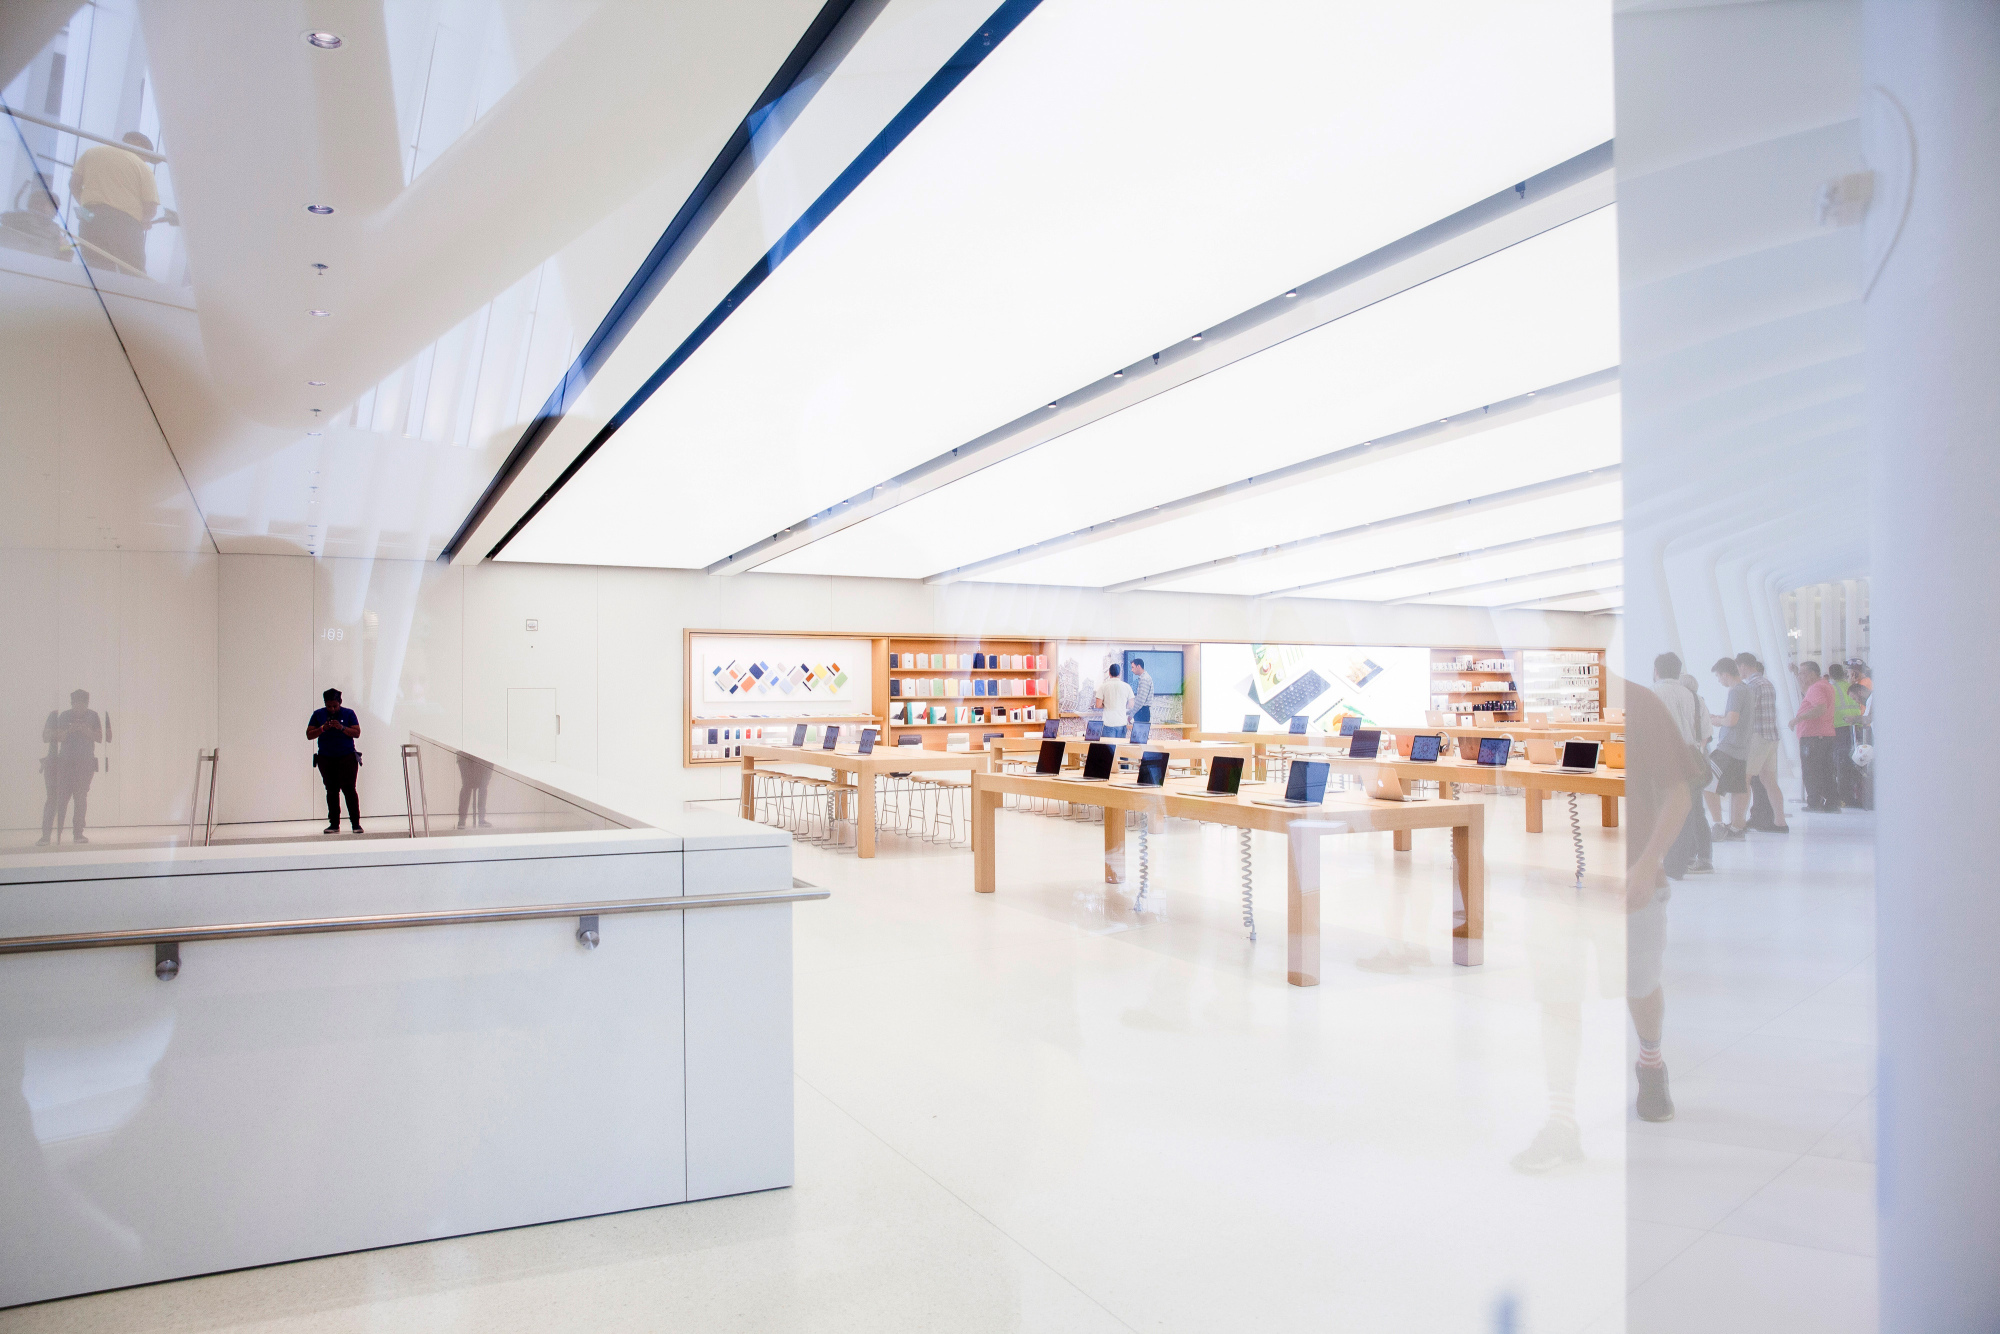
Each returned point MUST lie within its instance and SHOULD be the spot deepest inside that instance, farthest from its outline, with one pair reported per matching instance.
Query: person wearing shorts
(1732, 753)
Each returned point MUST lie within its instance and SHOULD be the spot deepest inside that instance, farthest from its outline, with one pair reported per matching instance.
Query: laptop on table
(1424, 747)
(1153, 769)
(1493, 750)
(1306, 785)
(1225, 775)
(1097, 762)
(1049, 762)
(1250, 721)
(1364, 743)
(1578, 757)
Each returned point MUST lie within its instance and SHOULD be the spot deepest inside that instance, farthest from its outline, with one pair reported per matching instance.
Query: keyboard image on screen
(1295, 697)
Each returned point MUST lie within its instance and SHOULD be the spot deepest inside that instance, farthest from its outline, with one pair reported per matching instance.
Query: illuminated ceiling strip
(1509, 582)
(1618, 589)
(1523, 407)
(1575, 188)
(962, 62)
(1503, 549)
(789, 92)
(1457, 509)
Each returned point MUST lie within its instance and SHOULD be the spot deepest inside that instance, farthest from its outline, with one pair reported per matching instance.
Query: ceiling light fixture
(1118, 375)
(1196, 338)
(319, 312)
(316, 383)
(1294, 292)
(321, 209)
(325, 41)
(319, 270)
(315, 433)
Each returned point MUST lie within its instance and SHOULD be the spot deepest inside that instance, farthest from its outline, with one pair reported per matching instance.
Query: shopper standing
(72, 738)
(1730, 758)
(1691, 849)
(117, 194)
(1767, 812)
(1846, 713)
(338, 762)
(1142, 701)
(1814, 725)
(1115, 698)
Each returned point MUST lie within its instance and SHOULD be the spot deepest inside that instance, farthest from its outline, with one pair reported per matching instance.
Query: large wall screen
(1389, 686)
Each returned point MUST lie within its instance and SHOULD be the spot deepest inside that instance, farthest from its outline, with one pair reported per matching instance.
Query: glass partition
(452, 792)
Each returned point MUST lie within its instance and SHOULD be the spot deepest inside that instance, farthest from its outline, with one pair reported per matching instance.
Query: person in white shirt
(1115, 698)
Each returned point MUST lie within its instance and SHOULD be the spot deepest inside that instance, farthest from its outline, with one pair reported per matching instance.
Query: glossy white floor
(1042, 1111)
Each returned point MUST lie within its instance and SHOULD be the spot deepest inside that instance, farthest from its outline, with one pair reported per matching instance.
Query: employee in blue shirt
(338, 762)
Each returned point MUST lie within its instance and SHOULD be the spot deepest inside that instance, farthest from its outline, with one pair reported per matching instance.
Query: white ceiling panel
(1479, 569)
(1532, 589)
(1112, 179)
(1313, 565)
(1537, 314)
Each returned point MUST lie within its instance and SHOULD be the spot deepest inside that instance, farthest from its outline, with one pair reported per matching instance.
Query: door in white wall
(531, 723)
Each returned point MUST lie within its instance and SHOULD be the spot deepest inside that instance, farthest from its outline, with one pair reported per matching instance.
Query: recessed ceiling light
(1118, 375)
(315, 432)
(325, 41)
(316, 383)
(1197, 338)
(1052, 407)
(319, 312)
(1292, 293)
(321, 209)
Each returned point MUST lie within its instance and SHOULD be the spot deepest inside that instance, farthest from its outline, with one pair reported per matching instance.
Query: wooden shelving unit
(934, 734)
(1541, 679)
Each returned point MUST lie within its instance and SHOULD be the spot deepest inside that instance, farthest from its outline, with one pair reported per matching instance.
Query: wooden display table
(1261, 743)
(1557, 731)
(1304, 826)
(1536, 780)
(864, 768)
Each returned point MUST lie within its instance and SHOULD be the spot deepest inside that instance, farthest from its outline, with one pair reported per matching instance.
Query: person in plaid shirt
(1142, 701)
(1763, 761)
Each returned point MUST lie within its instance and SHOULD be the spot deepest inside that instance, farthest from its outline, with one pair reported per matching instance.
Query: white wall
(420, 646)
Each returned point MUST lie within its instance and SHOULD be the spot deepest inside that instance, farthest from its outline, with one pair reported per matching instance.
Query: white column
(1933, 342)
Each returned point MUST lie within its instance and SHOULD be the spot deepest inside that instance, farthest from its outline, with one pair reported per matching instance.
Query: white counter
(299, 1095)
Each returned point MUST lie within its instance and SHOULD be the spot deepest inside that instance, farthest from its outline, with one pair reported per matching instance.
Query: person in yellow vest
(118, 197)
(1846, 713)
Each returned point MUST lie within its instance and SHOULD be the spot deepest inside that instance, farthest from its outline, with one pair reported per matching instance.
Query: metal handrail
(421, 798)
(313, 926)
(45, 122)
(213, 759)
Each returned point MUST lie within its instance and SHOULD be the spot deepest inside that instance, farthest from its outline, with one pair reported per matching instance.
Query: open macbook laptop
(799, 736)
(1424, 747)
(867, 741)
(1386, 785)
(1305, 786)
(1350, 724)
(1364, 743)
(1540, 749)
(1493, 750)
(1250, 721)
(832, 738)
(1578, 757)
(1225, 775)
(1097, 762)
(1049, 762)
(1093, 730)
(1153, 769)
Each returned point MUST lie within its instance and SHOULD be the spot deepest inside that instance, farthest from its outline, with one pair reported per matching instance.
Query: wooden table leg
(1468, 874)
(1403, 840)
(1610, 812)
(1114, 847)
(749, 788)
(1446, 791)
(1302, 906)
(864, 814)
(1536, 796)
(984, 804)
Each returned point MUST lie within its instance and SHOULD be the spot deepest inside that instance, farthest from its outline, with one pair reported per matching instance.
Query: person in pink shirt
(1814, 725)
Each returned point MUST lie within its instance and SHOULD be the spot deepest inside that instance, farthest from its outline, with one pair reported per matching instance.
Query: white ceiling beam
(1578, 596)
(1457, 509)
(1481, 553)
(1534, 403)
(1511, 581)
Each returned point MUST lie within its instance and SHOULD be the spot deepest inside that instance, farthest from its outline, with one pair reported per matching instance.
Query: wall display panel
(1384, 684)
(756, 688)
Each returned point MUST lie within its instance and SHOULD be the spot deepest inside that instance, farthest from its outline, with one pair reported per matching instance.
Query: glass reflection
(69, 766)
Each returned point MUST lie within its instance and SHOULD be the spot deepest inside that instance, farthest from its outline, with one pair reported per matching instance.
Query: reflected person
(473, 776)
(115, 190)
(70, 764)
(338, 762)
(1142, 702)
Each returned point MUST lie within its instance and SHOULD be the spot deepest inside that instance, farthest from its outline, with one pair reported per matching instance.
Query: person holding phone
(338, 762)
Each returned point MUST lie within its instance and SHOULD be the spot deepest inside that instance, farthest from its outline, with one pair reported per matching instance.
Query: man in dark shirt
(339, 763)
